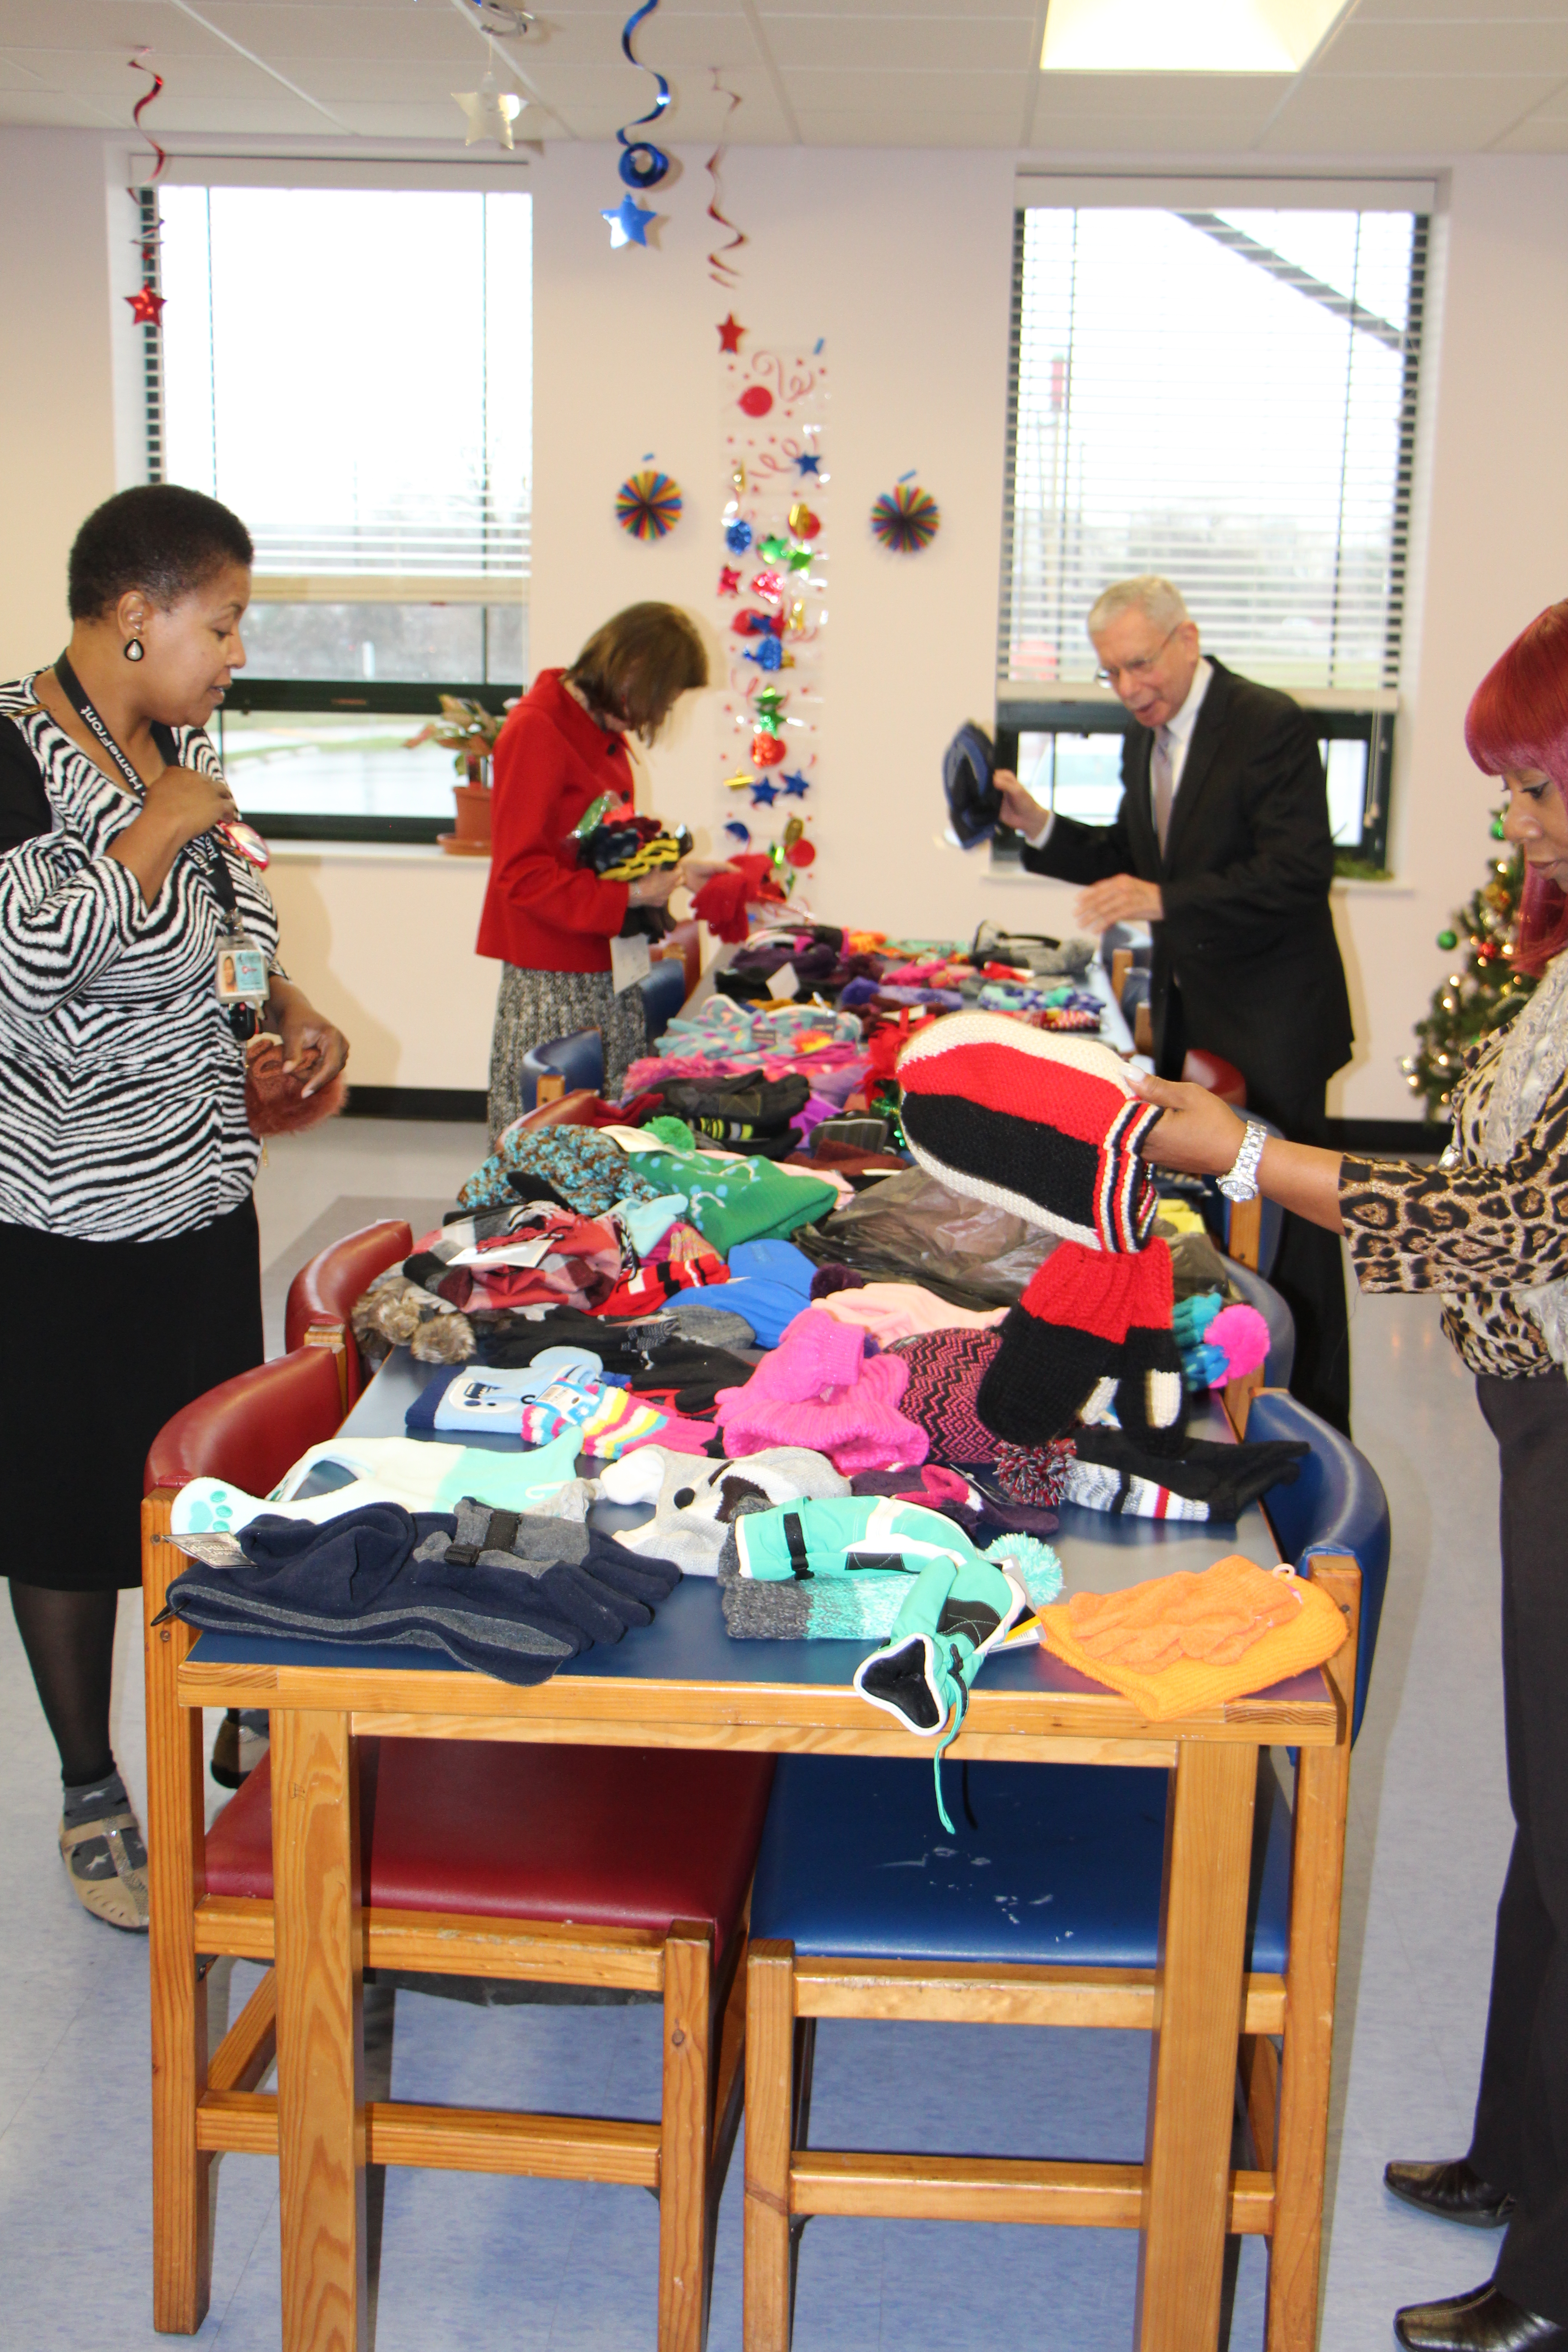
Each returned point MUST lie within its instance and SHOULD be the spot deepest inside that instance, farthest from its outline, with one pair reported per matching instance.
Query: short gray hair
(1162, 605)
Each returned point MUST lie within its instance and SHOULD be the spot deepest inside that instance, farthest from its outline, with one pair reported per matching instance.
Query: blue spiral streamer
(642, 164)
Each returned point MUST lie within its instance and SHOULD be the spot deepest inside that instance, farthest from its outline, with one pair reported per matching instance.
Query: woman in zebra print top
(128, 1242)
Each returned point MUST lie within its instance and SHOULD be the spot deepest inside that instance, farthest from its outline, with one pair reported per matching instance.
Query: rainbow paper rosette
(905, 518)
(648, 504)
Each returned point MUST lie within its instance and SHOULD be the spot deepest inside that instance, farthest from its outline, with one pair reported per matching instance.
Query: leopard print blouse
(1475, 1234)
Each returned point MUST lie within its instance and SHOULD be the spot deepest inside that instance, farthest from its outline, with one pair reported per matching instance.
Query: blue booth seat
(663, 994)
(1060, 1867)
(1335, 1504)
(579, 1059)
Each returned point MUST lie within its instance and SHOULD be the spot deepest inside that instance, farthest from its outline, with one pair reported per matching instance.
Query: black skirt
(104, 1342)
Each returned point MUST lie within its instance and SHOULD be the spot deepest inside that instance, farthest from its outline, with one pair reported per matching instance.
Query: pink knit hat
(819, 1389)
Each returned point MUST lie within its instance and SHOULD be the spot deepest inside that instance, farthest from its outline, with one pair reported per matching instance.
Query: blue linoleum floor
(469, 2262)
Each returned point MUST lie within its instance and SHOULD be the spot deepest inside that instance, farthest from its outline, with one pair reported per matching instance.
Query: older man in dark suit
(1222, 844)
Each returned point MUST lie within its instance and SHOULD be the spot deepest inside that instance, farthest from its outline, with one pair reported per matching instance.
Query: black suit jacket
(1247, 938)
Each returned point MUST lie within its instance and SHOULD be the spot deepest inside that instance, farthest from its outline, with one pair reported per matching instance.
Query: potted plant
(469, 731)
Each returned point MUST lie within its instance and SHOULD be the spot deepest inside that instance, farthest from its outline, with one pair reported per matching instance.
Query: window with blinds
(351, 370)
(1228, 398)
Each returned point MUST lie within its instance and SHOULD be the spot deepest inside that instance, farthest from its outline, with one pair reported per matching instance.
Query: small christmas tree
(1477, 999)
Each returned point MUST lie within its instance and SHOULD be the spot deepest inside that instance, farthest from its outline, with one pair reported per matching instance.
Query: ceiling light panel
(1270, 37)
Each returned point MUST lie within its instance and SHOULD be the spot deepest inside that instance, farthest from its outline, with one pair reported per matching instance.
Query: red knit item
(722, 904)
(1091, 1322)
(946, 1367)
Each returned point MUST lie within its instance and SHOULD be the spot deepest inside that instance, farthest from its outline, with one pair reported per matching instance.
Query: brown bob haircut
(636, 666)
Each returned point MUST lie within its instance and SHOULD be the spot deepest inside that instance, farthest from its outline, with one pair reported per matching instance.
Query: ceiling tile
(101, 74)
(275, 113)
(399, 81)
(323, 30)
(886, 94)
(1330, 114)
(50, 109)
(1083, 133)
(593, 36)
(941, 44)
(768, 10)
(373, 120)
(17, 76)
(1503, 12)
(829, 127)
(1493, 47)
(1178, 100)
(1537, 134)
(118, 24)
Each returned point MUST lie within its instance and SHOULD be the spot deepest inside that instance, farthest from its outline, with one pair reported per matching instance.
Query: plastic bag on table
(910, 1228)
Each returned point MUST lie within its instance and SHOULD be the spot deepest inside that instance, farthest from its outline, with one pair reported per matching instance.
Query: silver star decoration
(491, 112)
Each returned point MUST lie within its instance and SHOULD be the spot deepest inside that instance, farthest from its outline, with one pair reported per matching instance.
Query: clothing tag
(241, 974)
(783, 983)
(629, 963)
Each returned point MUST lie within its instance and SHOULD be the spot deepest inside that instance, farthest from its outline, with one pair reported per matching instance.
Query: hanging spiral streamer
(136, 66)
(642, 164)
(723, 273)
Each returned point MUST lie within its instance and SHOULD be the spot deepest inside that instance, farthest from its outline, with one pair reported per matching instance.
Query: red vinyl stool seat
(1221, 1077)
(605, 1837)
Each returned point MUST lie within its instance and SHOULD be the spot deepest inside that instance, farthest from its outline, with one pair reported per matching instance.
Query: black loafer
(1485, 2320)
(1452, 2191)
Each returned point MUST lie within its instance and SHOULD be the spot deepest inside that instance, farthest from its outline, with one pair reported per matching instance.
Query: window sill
(369, 852)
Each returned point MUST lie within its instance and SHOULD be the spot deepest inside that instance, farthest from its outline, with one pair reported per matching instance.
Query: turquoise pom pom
(1033, 1563)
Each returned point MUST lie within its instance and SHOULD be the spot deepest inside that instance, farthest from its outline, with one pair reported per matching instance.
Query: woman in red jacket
(549, 920)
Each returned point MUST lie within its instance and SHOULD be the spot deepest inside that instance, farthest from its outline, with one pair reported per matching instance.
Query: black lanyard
(242, 1018)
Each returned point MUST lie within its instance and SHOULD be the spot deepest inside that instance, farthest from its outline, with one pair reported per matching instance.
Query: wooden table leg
(1197, 2024)
(319, 1958)
(770, 2052)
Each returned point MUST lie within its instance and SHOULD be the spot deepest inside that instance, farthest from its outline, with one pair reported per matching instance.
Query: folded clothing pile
(576, 1166)
(421, 1475)
(728, 1200)
(809, 951)
(1181, 1644)
(498, 1594)
(819, 1389)
(654, 1354)
(1110, 1471)
(747, 1112)
(841, 1570)
(695, 1499)
(522, 1256)
(489, 1403)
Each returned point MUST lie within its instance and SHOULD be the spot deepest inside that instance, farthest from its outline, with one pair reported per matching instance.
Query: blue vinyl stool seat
(663, 994)
(1064, 1868)
(1335, 1504)
(579, 1059)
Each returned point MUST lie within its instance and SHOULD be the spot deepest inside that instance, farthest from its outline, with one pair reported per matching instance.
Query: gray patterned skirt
(532, 1007)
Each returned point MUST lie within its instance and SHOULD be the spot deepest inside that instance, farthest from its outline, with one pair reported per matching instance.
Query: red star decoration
(730, 333)
(729, 583)
(146, 307)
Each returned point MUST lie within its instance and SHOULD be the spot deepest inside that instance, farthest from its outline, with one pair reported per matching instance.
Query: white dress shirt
(1179, 727)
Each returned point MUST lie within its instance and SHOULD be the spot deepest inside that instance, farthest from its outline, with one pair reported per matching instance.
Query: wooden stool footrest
(996, 2188)
(455, 2139)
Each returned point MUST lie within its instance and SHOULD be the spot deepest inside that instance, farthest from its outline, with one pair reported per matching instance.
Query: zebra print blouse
(121, 1085)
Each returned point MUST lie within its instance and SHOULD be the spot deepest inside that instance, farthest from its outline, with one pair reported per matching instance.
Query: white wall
(900, 260)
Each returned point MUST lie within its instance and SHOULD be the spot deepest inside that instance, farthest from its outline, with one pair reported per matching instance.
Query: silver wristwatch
(1241, 1184)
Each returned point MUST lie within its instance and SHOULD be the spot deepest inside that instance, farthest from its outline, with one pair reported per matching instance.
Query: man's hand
(1020, 810)
(1123, 899)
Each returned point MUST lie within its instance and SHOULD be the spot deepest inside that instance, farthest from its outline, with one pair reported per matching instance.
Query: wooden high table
(682, 1683)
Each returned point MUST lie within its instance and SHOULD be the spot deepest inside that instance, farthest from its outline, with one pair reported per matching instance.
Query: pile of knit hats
(820, 1389)
(1047, 1127)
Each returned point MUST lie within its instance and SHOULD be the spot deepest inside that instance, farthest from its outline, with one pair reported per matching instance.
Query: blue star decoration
(796, 786)
(807, 462)
(763, 795)
(629, 222)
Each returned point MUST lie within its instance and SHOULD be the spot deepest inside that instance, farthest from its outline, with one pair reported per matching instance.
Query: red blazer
(542, 911)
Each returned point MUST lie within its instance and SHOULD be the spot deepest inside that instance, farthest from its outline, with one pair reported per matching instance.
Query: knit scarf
(1527, 1072)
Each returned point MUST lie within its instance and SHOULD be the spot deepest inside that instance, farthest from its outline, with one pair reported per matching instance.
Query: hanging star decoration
(808, 462)
(729, 581)
(146, 307)
(630, 221)
(764, 795)
(795, 786)
(800, 559)
(491, 112)
(147, 303)
(730, 333)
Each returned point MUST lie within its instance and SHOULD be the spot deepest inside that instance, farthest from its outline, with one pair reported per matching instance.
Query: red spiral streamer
(723, 273)
(137, 66)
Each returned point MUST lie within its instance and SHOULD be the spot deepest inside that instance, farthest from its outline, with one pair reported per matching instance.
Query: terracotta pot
(473, 837)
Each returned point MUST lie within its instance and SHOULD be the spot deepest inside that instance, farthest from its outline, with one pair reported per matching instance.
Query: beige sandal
(116, 1893)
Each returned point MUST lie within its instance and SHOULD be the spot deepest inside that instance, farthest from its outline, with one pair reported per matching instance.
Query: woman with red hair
(1486, 1228)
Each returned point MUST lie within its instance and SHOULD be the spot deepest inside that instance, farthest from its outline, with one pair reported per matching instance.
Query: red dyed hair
(1518, 719)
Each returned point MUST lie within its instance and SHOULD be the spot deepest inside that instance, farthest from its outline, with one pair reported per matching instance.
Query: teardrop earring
(133, 649)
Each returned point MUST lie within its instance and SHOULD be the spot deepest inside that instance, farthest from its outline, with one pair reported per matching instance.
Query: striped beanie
(1042, 1124)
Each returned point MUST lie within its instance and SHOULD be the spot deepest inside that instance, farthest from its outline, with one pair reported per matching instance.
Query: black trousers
(1309, 1272)
(1521, 2138)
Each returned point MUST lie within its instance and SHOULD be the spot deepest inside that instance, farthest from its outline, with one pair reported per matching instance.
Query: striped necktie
(1162, 788)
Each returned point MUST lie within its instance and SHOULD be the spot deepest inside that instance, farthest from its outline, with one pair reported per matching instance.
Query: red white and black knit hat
(1044, 1125)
